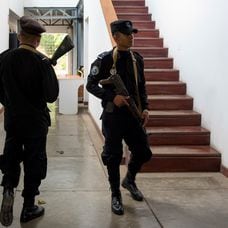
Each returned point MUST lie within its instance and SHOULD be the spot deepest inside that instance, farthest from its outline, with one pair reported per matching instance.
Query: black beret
(123, 26)
(31, 26)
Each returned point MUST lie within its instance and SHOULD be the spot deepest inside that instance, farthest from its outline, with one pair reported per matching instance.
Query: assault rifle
(120, 89)
(65, 46)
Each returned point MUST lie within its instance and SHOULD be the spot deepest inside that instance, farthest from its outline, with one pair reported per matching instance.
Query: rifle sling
(136, 80)
(32, 49)
(28, 47)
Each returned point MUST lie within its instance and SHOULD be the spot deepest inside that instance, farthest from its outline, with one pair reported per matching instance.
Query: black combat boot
(116, 201)
(116, 204)
(6, 214)
(129, 183)
(30, 211)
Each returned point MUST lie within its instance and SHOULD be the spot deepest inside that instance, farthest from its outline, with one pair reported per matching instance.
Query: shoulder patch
(102, 55)
(94, 70)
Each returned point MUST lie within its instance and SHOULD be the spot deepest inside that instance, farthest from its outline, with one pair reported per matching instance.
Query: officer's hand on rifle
(120, 100)
(145, 117)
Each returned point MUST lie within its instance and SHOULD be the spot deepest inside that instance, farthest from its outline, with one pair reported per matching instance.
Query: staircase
(178, 141)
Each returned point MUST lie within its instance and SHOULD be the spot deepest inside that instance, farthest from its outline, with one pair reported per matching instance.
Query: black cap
(31, 26)
(123, 26)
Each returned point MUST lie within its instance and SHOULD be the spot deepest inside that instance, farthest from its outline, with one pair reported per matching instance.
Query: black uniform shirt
(100, 69)
(27, 83)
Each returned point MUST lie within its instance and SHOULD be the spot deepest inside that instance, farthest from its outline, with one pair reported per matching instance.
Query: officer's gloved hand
(145, 117)
(53, 62)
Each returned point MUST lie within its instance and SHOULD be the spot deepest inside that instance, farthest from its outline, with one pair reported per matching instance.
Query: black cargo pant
(32, 152)
(118, 126)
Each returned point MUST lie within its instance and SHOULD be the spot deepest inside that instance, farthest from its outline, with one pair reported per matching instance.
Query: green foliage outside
(48, 44)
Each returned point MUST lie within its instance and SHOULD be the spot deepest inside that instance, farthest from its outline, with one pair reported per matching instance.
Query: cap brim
(130, 31)
(135, 30)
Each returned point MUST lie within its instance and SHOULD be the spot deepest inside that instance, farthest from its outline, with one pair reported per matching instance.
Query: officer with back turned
(117, 121)
(27, 83)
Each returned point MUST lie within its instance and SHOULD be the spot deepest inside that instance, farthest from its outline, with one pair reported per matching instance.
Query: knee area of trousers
(111, 159)
(147, 156)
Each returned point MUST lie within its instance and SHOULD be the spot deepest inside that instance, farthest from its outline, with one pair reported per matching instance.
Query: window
(49, 43)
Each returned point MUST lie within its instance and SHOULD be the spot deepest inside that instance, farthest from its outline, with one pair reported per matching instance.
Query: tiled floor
(77, 195)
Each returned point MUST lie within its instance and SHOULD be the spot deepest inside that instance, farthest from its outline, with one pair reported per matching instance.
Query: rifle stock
(65, 46)
(120, 89)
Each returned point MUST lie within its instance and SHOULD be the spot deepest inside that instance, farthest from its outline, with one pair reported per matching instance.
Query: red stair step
(151, 51)
(183, 159)
(128, 2)
(159, 63)
(161, 74)
(132, 9)
(179, 142)
(170, 102)
(147, 33)
(144, 25)
(134, 16)
(174, 118)
(187, 135)
(148, 42)
(184, 151)
(166, 88)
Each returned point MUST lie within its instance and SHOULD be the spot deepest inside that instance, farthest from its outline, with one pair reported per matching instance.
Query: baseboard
(98, 130)
(224, 171)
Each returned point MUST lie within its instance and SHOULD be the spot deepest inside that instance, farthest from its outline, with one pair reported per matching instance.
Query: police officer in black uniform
(27, 83)
(118, 123)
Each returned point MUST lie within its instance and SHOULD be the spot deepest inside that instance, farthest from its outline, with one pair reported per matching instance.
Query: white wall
(196, 34)
(97, 40)
(17, 7)
(4, 26)
(50, 3)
